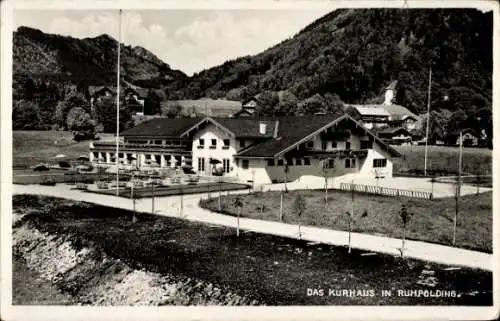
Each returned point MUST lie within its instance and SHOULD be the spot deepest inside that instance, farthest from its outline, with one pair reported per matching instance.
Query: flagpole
(428, 120)
(118, 103)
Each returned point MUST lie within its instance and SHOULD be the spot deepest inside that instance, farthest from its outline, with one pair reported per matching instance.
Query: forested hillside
(347, 56)
(90, 60)
(355, 53)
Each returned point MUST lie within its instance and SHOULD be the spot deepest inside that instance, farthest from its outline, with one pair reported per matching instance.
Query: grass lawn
(432, 221)
(55, 176)
(32, 147)
(443, 160)
(273, 270)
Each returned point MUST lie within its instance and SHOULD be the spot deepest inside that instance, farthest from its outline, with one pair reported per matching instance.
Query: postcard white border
(9, 312)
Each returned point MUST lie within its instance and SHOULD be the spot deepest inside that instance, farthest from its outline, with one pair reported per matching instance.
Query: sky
(188, 40)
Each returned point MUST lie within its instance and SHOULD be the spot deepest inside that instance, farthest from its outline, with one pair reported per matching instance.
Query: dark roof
(465, 130)
(141, 92)
(249, 99)
(392, 130)
(162, 127)
(247, 127)
(282, 133)
(239, 127)
(291, 129)
(95, 89)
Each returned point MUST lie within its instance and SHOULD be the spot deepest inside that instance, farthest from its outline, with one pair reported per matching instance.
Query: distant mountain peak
(103, 36)
(91, 60)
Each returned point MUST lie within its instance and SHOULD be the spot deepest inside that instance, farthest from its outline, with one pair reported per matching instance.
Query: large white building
(261, 150)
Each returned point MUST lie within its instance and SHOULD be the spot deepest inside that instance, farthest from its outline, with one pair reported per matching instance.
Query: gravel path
(170, 206)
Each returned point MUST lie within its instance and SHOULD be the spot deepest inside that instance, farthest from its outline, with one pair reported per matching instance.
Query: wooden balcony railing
(142, 146)
(336, 153)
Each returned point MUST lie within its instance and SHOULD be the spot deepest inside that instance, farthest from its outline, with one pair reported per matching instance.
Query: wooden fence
(379, 190)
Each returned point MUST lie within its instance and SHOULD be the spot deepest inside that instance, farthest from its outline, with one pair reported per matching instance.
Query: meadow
(431, 221)
(442, 160)
(32, 147)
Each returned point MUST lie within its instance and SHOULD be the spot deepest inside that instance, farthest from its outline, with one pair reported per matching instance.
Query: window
(201, 143)
(201, 164)
(226, 144)
(334, 144)
(307, 161)
(298, 161)
(242, 143)
(289, 161)
(270, 162)
(158, 142)
(95, 154)
(347, 145)
(310, 144)
(365, 144)
(214, 142)
(329, 163)
(323, 145)
(280, 162)
(379, 162)
(350, 163)
(226, 165)
(245, 163)
(148, 156)
(120, 155)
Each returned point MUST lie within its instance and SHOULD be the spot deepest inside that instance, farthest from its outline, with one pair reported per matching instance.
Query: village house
(388, 118)
(133, 96)
(259, 150)
(395, 136)
(248, 107)
(470, 137)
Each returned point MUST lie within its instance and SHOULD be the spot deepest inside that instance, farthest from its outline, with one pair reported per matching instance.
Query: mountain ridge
(91, 59)
(355, 53)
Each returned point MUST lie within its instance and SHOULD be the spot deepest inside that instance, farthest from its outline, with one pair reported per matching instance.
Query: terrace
(167, 146)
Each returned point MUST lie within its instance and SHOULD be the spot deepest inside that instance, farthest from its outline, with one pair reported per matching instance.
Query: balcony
(338, 153)
(142, 147)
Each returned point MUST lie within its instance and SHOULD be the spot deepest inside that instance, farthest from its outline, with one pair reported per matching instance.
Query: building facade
(251, 150)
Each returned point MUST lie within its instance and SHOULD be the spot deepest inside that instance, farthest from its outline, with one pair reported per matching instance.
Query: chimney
(276, 125)
(262, 128)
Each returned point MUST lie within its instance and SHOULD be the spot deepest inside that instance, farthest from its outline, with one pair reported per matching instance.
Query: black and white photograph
(253, 156)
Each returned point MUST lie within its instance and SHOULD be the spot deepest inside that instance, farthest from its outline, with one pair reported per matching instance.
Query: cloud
(197, 44)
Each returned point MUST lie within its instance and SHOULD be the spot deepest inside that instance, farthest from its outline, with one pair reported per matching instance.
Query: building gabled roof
(237, 127)
(399, 112)
(392, 131)
(249, 99)
(294, 130)
(161, 127)
(456, 133)
(371, 110)
(95, 89)
(141, 92)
